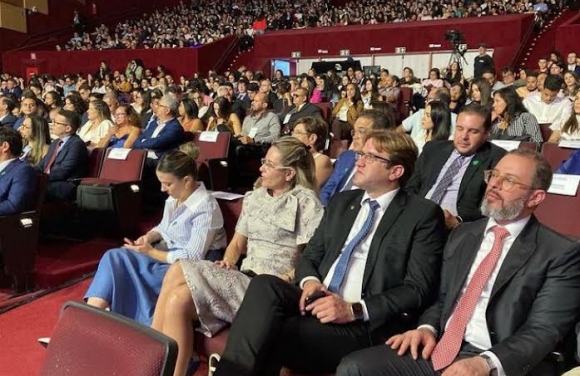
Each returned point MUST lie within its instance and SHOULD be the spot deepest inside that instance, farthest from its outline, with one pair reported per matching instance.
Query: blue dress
(115, 142)
(130, 281)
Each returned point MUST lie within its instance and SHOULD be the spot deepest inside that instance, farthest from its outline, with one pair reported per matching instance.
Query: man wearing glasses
(508, 295)
(372, 263)
(344, 168)
(67, 159)
(300, 108)
(450, 173)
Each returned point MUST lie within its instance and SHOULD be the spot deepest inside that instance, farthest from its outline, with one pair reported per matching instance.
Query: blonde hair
(401, 148)
(297, 156)
(180, 162)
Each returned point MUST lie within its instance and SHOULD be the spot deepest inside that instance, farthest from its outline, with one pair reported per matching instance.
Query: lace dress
(274, 227)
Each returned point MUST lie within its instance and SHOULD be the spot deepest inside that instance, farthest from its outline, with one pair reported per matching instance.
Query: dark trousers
(269, 333)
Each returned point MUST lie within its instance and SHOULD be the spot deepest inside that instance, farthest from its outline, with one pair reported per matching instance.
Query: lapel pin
(352, 207)
(475, 162)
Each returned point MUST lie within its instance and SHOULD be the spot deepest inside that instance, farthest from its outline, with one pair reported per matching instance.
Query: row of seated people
(366, 268)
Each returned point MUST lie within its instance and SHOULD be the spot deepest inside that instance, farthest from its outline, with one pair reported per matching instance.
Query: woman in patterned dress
(276, 222)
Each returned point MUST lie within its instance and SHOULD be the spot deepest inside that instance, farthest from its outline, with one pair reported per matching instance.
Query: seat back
(231, 211)
(129, 169)
(528, 145)
(212, 149)
(404, 104)
(555, 154)
(546, 131)
(90, 341)
(551, 212)
(325, 110)
(96, 157)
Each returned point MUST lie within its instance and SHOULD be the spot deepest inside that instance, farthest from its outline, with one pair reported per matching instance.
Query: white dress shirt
(476, 332)
(555, 113)
(351, 289)
(5, 164)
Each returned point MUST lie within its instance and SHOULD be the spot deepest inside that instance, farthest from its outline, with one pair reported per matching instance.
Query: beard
(506, 212)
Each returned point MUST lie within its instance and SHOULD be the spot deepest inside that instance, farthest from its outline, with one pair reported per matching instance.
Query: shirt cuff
(425, 326)
(365, 310)
(306, 279)
(495, 360)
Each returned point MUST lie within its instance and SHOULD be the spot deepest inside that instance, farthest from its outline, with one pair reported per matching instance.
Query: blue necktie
(342, 265)
(447, 179)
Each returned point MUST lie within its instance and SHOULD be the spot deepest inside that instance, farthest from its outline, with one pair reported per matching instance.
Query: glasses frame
(371, 158)
(271, 166)
(489, 174)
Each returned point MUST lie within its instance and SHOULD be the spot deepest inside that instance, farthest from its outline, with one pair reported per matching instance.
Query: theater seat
(325, 110)
(19, 235)
(90, 341)
(404, 103)
(115, 194)
(555, 154)
(212, 161)
(555, 212)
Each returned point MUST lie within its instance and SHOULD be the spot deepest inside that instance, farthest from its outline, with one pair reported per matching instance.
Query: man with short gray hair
(163, 134)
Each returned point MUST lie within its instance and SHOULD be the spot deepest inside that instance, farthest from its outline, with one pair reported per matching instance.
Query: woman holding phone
(128, 279)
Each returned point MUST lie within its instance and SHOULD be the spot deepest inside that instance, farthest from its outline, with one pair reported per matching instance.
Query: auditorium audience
(570, 129)
(96, 129)
(36, 135)
(277, 220)
(393, 242)
(548, 107)
(17, 178)
(188, 116)
(474, 327)
(128, 279)
(7, 119)
(435, 125)
(221, 118)
(300, 108)
(344, 115)
(126, 130)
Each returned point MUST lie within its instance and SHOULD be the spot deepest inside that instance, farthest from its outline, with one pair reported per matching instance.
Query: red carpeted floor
(20, 327)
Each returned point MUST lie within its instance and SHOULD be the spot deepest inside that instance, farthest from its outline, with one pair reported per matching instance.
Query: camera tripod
(457, 56)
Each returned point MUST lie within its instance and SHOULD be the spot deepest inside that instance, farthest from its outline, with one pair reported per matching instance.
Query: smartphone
(314, 297)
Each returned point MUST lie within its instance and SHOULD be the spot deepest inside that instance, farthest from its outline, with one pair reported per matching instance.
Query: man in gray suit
(508, 294)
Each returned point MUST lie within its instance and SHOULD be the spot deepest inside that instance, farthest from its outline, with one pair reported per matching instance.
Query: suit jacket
(342, 169)
(17, 187)
(71, 163)
(472, 187)
(9, 121)
(534, 302)
(170, 137)
(402, 269)
(307, 110)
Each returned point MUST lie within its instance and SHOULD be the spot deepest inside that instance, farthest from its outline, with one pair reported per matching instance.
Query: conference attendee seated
(277, 219)
(28, 107)
(7, 119)
(164, 133)
(569, 130)
(126, 130)
(17, 178)
(313, 132)
(300, 108)
(510, 118)
(261, 126)
(36, 134)
(547, 106)
(508, 295)
(342, 176)
(67, 158)
(98, 125)
(373, 261)
(531, 85)
(450, 173)
(412, 124)
(128, 279)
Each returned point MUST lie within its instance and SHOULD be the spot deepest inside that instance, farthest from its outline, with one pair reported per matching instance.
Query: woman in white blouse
(98, 125)
(570, 130)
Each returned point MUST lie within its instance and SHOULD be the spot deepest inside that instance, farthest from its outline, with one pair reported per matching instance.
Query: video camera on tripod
(457, 40)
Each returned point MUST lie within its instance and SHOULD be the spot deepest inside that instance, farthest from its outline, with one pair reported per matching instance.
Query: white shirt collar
(384, 200)
(514, 228)
(196, 198)
(5, 164)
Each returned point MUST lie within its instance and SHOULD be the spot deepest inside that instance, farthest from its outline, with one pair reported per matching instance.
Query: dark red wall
(567, 36)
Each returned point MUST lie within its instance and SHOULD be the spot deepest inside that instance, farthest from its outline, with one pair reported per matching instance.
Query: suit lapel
(345, 225)
(12, 165)
(519, 253)
(392, 213)
(346, 173)
(478, 162)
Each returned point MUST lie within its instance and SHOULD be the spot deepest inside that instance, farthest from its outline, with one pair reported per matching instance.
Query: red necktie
(52, 158)
(450, 343)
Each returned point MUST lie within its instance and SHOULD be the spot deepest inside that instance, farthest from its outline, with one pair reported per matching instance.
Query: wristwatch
(490, 365)
(357, 311)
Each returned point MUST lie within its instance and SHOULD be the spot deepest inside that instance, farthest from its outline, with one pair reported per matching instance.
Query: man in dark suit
(7, 119)
(165, 133)
(450, 173)
(344, 167)
(300, 108)
(572, 65)
(67, 158)
(17, 178)
(508, 295)
(395, 240)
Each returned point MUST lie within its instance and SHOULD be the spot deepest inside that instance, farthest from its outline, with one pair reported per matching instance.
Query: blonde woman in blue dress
(276, 222)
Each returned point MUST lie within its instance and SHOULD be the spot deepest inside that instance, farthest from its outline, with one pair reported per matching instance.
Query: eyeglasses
(358, 132)
(507, 183)
(63, 124)
(271, 166)
(371, 158)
